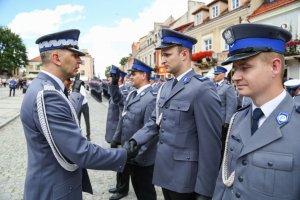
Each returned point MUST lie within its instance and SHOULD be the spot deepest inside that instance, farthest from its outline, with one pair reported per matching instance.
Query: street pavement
(13, 151)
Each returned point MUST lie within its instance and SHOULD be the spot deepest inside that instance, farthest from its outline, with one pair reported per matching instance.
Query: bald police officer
(262, 154)
(188, 122)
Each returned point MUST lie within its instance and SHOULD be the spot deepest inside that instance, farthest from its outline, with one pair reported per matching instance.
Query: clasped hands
(130, 146)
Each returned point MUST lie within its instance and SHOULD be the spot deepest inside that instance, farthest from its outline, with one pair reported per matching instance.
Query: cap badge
(282, 118)
(228, 36)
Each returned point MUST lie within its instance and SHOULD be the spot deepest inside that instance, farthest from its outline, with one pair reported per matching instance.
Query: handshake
(130, 146)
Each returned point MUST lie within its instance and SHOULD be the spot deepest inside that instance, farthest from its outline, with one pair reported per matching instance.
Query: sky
(108, 27)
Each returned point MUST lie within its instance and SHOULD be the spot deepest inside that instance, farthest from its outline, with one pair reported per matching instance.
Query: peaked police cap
(67, 39)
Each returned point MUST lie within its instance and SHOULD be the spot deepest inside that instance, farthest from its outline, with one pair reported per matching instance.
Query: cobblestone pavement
(13, 158)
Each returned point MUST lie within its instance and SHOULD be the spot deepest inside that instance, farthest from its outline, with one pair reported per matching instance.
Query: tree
(12, 51)
(123, 61)
(107, 71)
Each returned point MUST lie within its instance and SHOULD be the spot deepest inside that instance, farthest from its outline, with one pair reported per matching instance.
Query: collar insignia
(282, 118)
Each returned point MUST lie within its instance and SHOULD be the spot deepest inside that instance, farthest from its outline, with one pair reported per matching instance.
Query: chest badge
(282, 118)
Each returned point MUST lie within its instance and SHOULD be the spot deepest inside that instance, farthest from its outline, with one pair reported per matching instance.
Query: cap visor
(80, 53)
(163, 46)
(240, 56)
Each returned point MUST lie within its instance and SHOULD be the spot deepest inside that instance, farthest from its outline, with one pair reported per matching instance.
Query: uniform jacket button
(71, 188)
(240, 178)
(270, 163)
(244, 162)
(238, 195)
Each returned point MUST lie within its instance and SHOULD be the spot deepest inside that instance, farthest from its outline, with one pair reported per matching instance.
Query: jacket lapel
(178, 87)
(138, 96)
(270, 130)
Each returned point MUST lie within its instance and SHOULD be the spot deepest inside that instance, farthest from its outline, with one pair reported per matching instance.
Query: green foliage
(107, 71)
(12, 50)
(123, 61)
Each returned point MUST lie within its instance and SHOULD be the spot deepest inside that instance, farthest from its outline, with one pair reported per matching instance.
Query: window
(150, 60)
(235, 4)
(207, 44)
(215, 11)
(198, 19)
(82, 72)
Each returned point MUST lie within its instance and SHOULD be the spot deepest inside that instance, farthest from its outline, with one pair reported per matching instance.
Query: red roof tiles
(266, 7)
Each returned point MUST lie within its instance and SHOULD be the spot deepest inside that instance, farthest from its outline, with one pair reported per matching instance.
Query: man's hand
(114, 144)
(132, 148)
(76, 85)
(115, 78)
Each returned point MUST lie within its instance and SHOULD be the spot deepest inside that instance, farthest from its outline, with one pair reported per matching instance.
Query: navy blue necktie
(175, 81)
(257, 114)
(134, 93)
(66, 92)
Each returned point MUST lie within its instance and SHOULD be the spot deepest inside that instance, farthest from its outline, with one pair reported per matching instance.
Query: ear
(56, 58)
(183, 54)
(276, 66)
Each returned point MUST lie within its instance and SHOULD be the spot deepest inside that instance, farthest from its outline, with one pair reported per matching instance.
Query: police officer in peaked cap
(118, 92)
(228, 98)
(58, 152)
(261, 158)
(293, 88)
(188, 123)
(138, 107)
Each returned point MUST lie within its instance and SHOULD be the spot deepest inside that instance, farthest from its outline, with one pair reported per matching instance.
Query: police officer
(188, 121)
(138, 107)
(57, 150)
(118, 93)
(261, 158)
(228, 98)
(293, 88)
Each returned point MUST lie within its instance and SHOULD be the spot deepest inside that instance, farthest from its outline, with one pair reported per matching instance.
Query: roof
(203, 7)
(183, 27)
(215, 1)
(266, 7)
(36, 59)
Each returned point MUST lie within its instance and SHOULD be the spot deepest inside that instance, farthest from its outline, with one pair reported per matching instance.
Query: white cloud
(39, 22)
(109, 45)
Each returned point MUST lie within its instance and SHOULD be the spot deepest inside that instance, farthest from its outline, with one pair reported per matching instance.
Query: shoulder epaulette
(201, 78)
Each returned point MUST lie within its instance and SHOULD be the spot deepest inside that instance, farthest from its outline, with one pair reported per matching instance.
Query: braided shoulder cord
(228, 181)
(158, 115)
(46, 129)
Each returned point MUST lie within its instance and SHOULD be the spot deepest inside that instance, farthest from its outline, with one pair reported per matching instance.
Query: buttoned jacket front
(189, 146)
(266, 164)
(137, 111)
(45, 177)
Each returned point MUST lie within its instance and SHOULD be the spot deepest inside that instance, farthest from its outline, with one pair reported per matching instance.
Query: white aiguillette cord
(228, 181)
(46, 129)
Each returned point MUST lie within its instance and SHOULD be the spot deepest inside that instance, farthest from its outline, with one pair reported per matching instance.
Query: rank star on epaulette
(228, 35)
